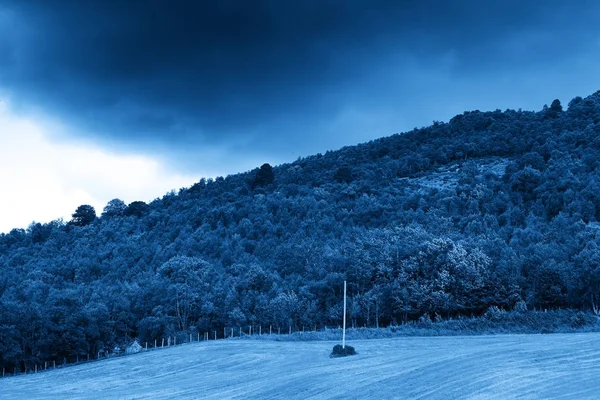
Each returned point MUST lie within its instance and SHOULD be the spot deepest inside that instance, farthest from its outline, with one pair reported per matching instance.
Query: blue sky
(130, 99)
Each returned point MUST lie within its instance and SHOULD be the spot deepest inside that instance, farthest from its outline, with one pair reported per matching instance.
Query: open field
(565, 366)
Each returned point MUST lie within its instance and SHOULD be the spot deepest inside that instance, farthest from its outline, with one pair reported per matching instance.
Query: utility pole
(344, 329)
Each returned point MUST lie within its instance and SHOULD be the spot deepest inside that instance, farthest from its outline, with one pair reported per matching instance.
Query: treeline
(490, 209)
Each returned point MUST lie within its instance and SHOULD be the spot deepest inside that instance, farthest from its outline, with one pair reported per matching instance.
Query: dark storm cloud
(260, 73)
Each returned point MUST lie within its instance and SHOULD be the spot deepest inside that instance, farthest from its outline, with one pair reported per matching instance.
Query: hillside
(490, 209)
(492, 367)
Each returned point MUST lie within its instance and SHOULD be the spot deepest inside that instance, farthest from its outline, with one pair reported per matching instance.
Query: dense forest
(489, 209)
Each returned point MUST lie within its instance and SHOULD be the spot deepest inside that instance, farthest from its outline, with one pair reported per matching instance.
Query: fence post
(190, 338)
(290, 330)
(215, 335)
(54, 363)
(163, 342)
(260, 330)
(146, 345)
(36, 367)
(270, 329)
(231, 332)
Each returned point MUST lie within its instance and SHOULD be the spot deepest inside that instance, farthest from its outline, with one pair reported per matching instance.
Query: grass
(339, 351)
(493, 322)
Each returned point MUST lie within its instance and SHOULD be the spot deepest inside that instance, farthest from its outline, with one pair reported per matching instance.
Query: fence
(169, 341)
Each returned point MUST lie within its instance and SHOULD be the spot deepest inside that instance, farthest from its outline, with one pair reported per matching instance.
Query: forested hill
(491, 208)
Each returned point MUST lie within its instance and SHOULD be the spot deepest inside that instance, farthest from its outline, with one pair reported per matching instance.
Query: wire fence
(178, 339)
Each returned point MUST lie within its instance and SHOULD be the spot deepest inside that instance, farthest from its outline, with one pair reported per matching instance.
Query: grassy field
(565, 366)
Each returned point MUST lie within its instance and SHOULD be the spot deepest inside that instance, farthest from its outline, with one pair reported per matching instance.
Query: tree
(344, 174)
(114, 208)
(264, 176)
(184, 277)
(84, 215)
(526, 181)
(555, 109)
(137, 208)
(39, 233)
(556, 106)
(285, 308)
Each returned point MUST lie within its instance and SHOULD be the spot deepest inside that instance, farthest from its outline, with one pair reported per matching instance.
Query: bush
(582, 319)
(495, 314)
(521, 306)
(425, 320)
(339, 351)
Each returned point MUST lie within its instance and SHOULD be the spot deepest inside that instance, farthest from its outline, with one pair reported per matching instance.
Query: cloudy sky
(103, 99)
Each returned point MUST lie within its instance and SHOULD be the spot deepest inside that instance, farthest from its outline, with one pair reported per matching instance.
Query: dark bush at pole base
(339, 351)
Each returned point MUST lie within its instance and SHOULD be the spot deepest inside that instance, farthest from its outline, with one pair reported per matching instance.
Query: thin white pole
(344, 330)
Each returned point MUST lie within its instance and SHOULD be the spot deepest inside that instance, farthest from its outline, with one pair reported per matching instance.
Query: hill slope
(490, 209)
(492, 367)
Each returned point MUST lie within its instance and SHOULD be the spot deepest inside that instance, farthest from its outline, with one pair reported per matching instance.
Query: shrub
(494, 313)
(339, 351)
(582, 319)
(521, 306)
(425, 320)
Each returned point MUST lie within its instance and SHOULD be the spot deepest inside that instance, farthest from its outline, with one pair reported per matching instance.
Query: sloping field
(565, 366)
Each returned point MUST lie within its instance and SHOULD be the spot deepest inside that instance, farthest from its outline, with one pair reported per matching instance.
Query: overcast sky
(103, 99)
